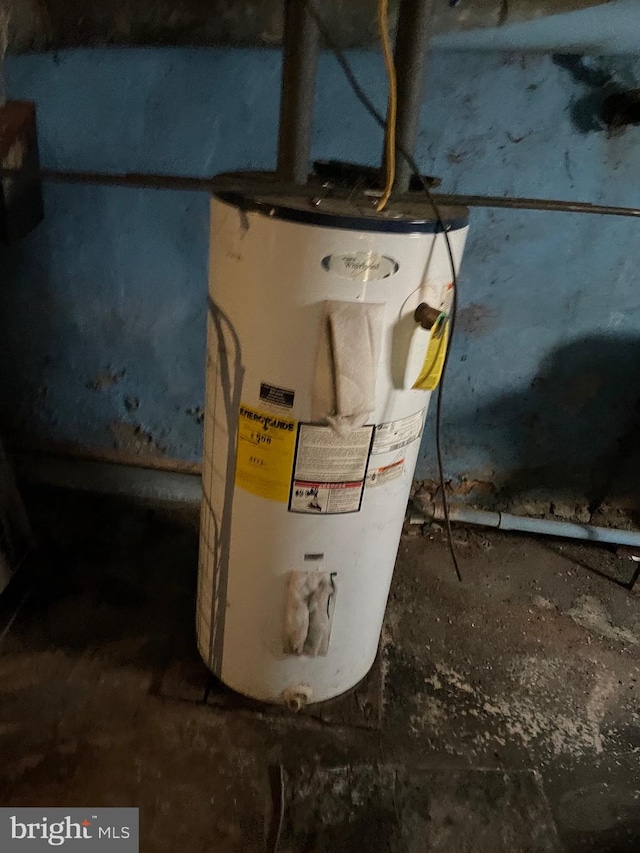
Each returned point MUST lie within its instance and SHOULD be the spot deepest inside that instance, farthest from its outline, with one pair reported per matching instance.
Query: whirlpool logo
(361, 266)
(26, 830)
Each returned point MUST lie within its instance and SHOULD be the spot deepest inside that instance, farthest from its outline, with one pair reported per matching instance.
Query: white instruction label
(327, 457)
(325, 498)
(397, 434)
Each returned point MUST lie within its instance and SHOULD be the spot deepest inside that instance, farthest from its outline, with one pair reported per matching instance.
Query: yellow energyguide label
(264, 458)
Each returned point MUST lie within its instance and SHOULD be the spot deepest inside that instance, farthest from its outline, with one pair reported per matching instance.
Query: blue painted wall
(545, 371)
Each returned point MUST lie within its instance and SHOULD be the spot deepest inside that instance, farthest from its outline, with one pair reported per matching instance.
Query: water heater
(314, 411)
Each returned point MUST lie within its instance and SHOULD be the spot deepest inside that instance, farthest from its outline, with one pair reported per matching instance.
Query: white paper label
(329, 470)
(327, 457)
(396, 434)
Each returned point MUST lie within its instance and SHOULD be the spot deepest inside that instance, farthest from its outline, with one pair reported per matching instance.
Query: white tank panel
(274, 556)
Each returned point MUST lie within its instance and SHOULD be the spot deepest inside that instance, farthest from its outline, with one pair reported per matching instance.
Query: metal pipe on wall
(412, 43)
(301, 45)
(506, 521)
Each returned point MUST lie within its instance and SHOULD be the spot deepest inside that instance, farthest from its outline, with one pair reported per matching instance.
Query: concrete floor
(506, 715)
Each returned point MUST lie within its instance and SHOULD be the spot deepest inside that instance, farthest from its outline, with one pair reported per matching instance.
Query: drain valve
(295, 698)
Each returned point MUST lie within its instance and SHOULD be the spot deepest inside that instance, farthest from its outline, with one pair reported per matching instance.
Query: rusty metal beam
(238, 183)
(38, 25)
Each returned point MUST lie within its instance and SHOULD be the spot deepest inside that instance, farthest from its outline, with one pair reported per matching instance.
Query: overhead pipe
(300, 49)
(231, 183)
(412, 44)
(505, 521)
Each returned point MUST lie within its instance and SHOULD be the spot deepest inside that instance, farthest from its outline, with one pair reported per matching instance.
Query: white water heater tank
(312, 430)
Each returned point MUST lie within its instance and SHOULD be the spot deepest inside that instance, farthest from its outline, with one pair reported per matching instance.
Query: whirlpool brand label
(80, 830)
(361, 266)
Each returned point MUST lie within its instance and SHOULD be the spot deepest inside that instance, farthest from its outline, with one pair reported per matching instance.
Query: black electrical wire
(371, 109)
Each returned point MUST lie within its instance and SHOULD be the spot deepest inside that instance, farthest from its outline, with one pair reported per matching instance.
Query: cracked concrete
(527, 667)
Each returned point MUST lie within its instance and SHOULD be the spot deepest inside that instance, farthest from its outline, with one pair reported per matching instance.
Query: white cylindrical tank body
(311, 433)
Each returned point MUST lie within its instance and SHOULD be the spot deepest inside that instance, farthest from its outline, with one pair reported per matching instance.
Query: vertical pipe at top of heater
(412, 42)
(300, 49)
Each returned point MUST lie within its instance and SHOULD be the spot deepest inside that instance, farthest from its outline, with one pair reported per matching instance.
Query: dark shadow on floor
(119, 582)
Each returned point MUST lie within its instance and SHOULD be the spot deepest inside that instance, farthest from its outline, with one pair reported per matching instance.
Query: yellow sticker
(264, 459)
(434, 358)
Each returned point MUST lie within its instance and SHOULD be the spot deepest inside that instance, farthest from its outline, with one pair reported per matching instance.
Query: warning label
(325, 456)
(325, 498)
(264, 458)
(330, 470)
(380, 476)
(281, 397)
(397, 434)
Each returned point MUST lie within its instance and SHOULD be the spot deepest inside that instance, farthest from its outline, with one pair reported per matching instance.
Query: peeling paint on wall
(134, 440)
(544, 379)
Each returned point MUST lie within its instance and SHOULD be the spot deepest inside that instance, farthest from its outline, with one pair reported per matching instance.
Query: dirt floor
(502, 715)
